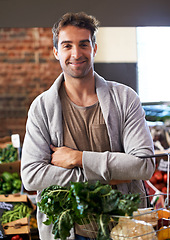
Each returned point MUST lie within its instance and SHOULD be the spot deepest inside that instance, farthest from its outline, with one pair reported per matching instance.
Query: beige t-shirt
(84, 127)
(85, 130)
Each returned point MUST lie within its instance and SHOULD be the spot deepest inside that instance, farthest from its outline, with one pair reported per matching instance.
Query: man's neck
(81, 91)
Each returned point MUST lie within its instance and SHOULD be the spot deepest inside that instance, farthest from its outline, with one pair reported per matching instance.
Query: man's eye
(67, 46)
(83, 45)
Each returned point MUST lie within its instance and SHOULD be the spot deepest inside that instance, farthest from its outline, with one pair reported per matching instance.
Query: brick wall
(27, 68)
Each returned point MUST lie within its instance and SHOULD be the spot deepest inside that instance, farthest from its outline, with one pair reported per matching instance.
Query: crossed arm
(68, 158)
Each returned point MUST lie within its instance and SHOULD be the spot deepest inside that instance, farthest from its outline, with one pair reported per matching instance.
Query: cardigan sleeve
(135, 138)
(36, 170)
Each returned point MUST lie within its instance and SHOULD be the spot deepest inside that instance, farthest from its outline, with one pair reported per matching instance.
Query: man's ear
(55, 53)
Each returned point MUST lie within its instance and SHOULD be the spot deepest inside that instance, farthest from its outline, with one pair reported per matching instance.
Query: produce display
(65, 206)
(10, 183)
(8, 154)
(159, 180)
(20, 210)
(14, 220)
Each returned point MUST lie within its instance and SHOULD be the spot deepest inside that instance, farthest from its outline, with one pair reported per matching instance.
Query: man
(84, 128)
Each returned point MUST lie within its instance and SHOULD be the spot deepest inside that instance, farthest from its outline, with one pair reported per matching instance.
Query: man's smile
(77, 63)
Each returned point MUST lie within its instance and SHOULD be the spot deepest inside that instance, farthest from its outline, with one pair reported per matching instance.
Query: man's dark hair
(81, 20)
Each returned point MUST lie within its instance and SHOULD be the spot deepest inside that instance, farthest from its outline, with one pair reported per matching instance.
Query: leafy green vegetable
(62, 225)
(65, 206)
(10, 183)
(8, 154)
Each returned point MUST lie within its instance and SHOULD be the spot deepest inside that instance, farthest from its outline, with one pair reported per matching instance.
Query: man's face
(75, 51)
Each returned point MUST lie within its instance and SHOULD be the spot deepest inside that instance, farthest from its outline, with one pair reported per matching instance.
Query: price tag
(163, 165)
(15, 140)
(16, 143)
(3, 207)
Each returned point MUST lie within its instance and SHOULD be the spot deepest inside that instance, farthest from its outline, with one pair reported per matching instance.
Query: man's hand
(115, 182)
(66, 157)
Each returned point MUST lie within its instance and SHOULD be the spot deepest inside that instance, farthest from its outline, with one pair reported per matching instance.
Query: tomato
(16, 237)
(158, 175)
(164, 233)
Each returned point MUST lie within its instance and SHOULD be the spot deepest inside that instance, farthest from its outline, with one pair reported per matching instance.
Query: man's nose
(76, 52)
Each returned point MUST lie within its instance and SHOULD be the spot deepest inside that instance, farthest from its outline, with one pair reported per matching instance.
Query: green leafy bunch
(65, 206)
(8, 154)
(10, 183)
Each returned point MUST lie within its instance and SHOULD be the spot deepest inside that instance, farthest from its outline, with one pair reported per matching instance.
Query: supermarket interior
(133, 50)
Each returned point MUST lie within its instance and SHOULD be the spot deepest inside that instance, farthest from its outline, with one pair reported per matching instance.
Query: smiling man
(76, 53)
(84, 128)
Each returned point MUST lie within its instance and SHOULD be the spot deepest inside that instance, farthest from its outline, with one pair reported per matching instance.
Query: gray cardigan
(129, 138)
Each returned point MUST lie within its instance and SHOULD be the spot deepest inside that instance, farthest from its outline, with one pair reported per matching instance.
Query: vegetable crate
(21, 223)
(10, 154)
(145, 224)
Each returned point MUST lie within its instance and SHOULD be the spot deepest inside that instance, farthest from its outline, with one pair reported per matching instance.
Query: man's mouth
(77, 63)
